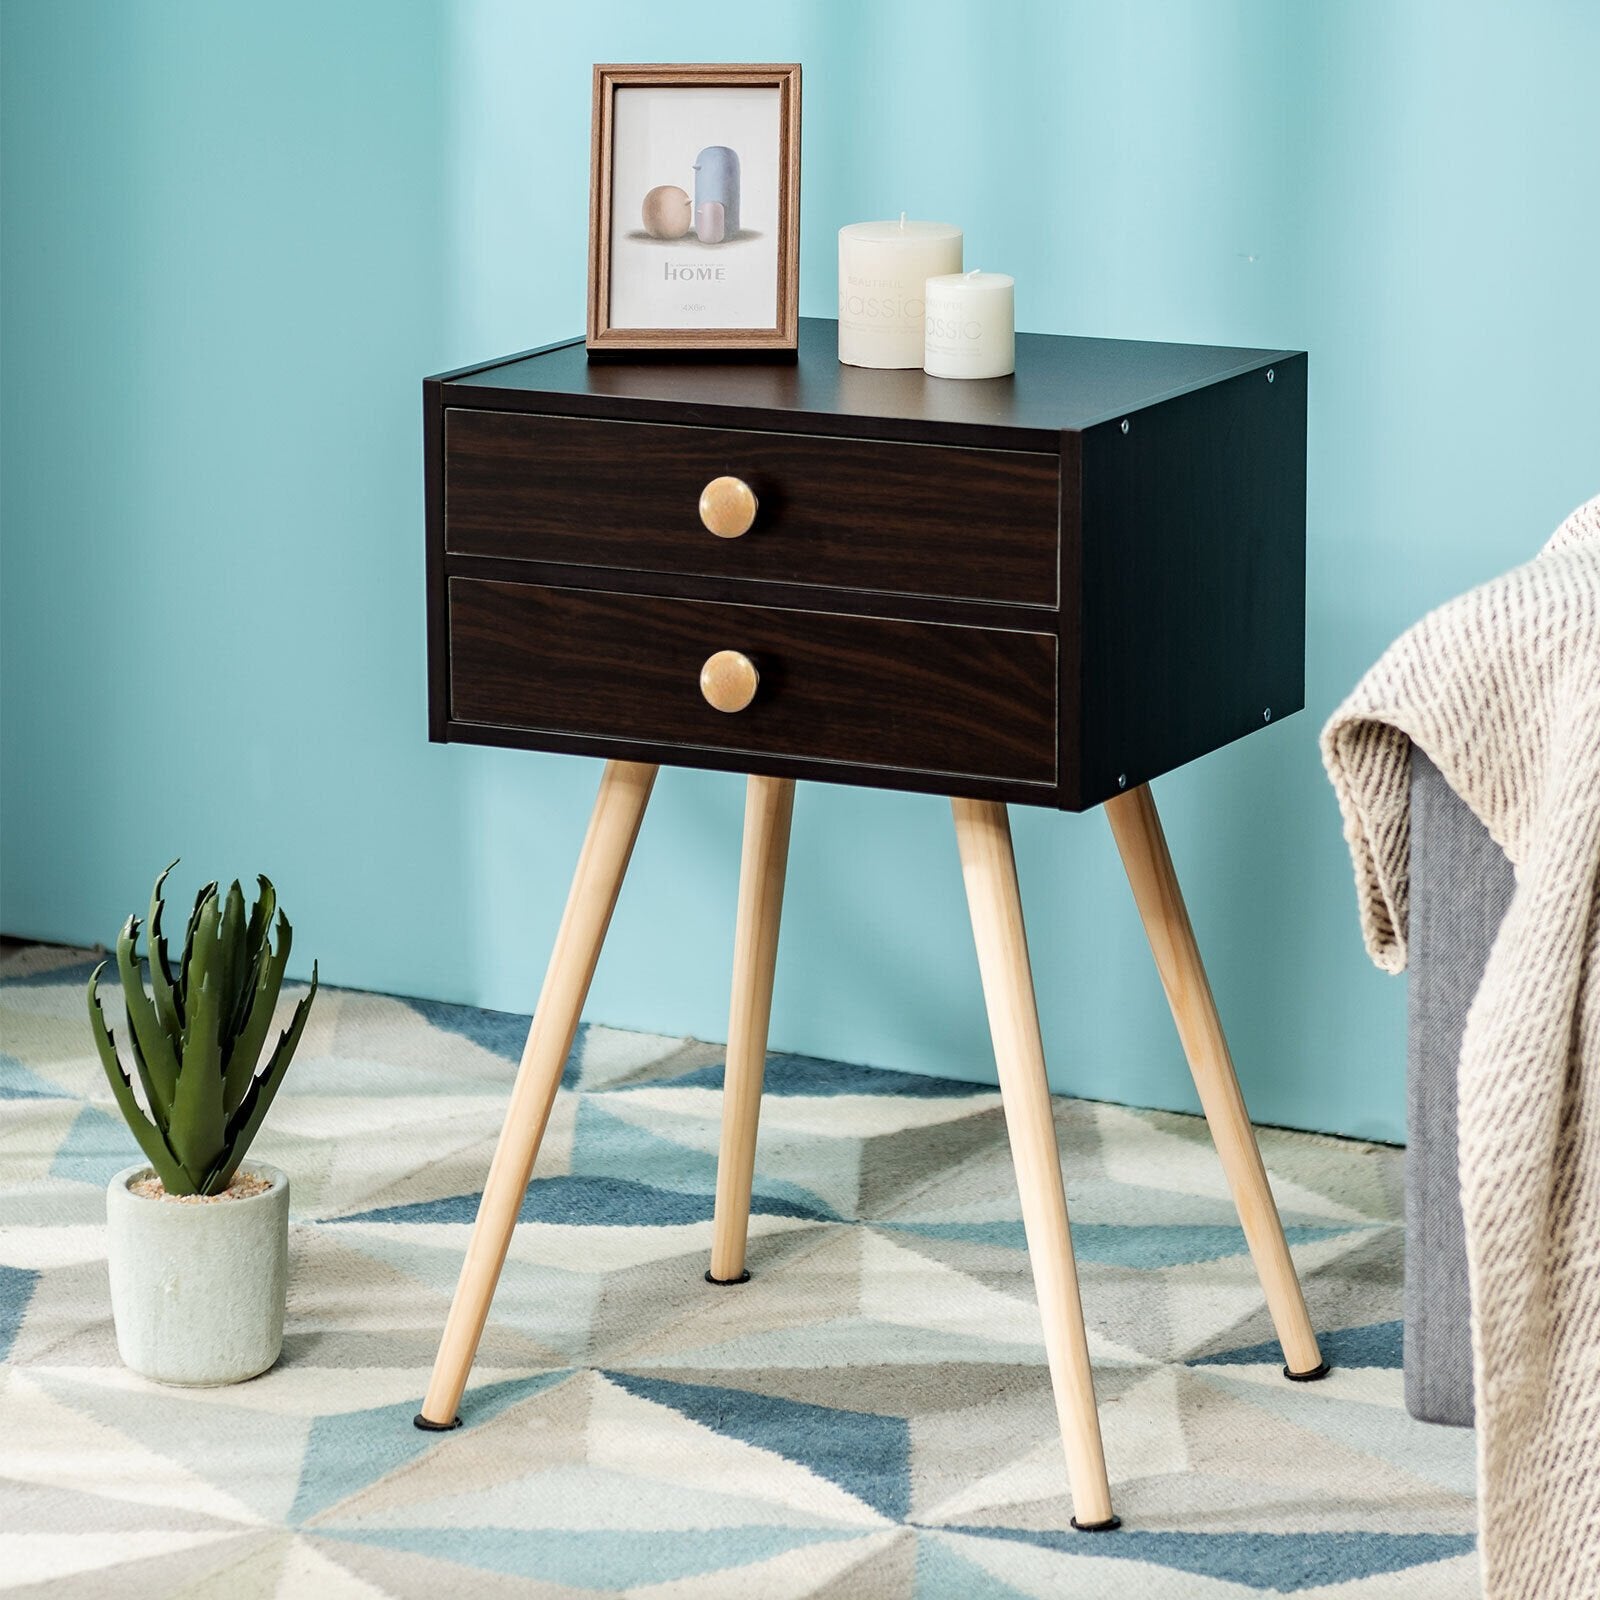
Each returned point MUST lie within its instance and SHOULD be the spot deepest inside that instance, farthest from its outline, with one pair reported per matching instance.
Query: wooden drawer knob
(729, 680)
(728, 507)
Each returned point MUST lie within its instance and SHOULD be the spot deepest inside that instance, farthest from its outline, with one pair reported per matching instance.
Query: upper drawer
(850, 513)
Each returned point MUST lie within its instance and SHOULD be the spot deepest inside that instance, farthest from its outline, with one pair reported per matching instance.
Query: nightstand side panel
(1193, 551)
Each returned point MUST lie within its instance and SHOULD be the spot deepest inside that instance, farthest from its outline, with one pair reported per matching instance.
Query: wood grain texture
(863, 691)
(856, 514)
(1061, 384)
(786, 596)
(989, 870)
(438, 634)
(618, 810)
(1165, 562)
(773, 764)
(768, 811)
(1136, 825)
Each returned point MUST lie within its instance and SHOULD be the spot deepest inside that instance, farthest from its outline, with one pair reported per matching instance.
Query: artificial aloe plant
(197, 1038)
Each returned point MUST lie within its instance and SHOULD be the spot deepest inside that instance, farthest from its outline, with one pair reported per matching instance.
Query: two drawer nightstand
(1044, 590)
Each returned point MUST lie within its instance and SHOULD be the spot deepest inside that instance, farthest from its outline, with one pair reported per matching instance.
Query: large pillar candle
(882, 268)
(716, 182)
(971, 326)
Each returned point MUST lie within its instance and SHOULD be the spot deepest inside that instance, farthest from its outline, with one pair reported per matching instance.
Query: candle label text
(866, 298)
(946, 329)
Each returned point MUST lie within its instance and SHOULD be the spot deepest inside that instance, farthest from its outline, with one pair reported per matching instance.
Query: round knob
(727, 507)
(729, 680)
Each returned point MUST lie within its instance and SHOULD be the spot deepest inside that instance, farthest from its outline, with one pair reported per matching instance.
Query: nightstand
(1039, 590)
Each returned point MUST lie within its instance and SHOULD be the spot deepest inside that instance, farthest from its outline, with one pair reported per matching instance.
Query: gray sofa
(1460, 887)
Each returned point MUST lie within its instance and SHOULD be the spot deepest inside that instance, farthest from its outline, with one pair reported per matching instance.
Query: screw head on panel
(1124, 424)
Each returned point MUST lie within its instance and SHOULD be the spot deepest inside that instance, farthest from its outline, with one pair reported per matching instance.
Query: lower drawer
(865, 691)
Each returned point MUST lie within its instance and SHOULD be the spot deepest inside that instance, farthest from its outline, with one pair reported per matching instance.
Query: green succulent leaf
(230, 949)
(256, 955)
(261, 914)
(168, 1006)
(156, 1058)
(196, 1042)
(206, 892)
(258, 1097)
(245, 1050)
(149, 1138)
(197, 1129)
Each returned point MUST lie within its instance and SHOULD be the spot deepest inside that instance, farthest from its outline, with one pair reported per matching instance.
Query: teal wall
(236, 236)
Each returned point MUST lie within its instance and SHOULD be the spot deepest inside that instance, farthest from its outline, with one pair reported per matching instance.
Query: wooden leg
(1137, 830)
(769, 806)
(618, 810)
(983, 833)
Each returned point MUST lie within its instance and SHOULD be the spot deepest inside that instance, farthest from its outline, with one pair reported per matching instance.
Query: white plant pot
(197, 1290)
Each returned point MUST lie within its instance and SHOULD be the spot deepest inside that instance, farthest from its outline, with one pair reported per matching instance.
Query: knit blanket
(1501, 688)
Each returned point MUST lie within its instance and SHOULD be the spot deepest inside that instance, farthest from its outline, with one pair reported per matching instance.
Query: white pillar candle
(882, 268)
(971, 326)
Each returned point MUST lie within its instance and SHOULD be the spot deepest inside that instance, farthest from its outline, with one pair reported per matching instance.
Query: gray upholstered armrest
(1461, 885)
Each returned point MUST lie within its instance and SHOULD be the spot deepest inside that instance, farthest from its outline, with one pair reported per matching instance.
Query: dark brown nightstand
(1046, 589)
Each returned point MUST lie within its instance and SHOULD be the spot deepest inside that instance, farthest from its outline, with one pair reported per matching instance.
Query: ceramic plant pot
(197, 1289)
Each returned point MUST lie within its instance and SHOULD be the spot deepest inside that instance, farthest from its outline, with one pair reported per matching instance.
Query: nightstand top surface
(1061, 384)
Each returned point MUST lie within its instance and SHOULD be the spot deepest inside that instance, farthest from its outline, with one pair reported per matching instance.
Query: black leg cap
(728, 1283)
(1321, 1370)
(420, 1421)
(1108, 1526)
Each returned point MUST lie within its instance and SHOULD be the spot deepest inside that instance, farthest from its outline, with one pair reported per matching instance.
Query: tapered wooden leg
(618, 809)
(768, 808)
(983, 833)
(1136, 827)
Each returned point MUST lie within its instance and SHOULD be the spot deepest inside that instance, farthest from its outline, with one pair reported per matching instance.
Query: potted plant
(198, 1243)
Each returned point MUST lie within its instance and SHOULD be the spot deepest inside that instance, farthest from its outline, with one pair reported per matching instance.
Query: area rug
(869, 1418)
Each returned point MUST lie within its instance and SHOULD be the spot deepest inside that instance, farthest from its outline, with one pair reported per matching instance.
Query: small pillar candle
(970, 325)
(882, 268)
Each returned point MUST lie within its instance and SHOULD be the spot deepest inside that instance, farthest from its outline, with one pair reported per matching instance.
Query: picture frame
(694, 209)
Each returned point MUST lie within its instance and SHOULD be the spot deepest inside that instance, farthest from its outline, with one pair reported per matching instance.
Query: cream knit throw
(1502, 689)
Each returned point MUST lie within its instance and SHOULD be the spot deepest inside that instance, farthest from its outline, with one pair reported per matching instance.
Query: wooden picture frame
(711, 260)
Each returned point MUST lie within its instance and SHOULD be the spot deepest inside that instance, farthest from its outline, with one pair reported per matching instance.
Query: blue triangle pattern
(806, 1076)
(605, 1146)
(16, 1290)
(608, 1561)
(247, 1447)
(591, 1202)
(866, 1454)
(17, 1083)
(1118, 1245)
(1379, 1344)
(96, 1148)
(348, 1450)
(501, 1033)
(941, 1574)
(1281, 1562)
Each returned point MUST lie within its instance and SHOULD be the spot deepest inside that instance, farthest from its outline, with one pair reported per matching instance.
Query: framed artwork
(694, 208)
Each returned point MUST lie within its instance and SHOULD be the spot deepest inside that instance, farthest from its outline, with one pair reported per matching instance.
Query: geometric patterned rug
(868, 1419)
